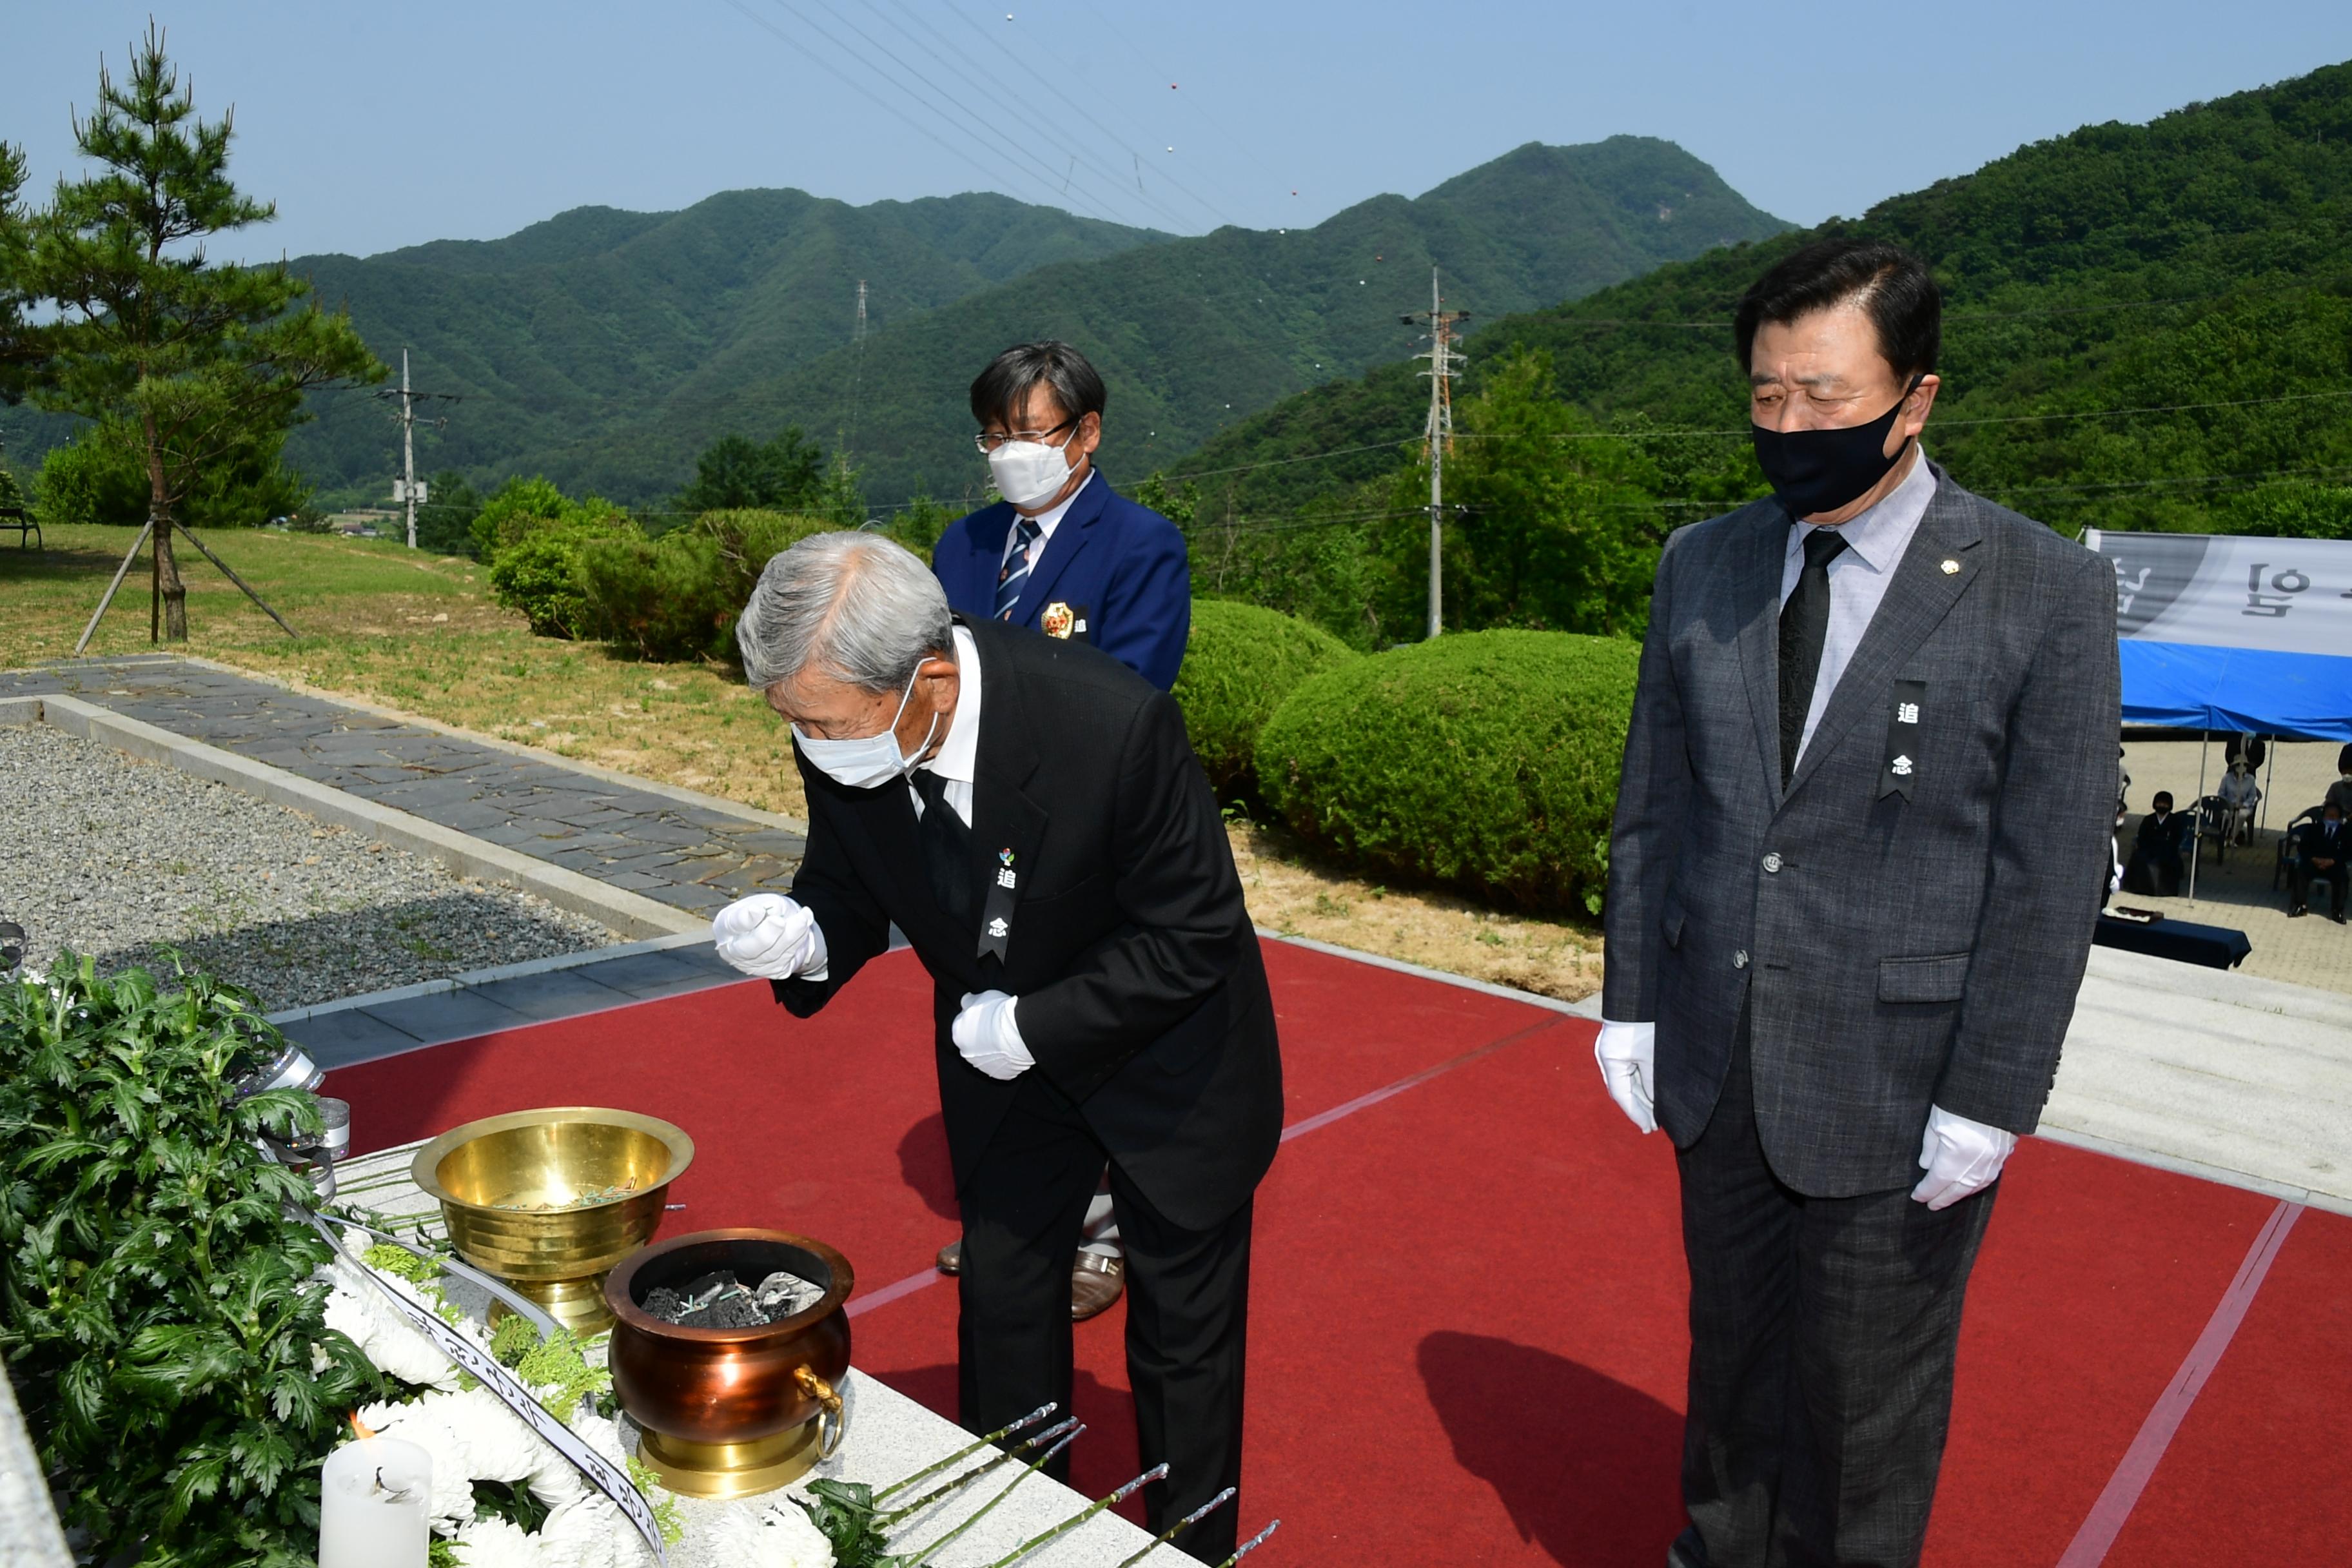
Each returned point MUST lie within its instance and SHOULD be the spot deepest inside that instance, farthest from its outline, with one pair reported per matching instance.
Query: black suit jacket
(1143, 994)
(2312, 839)
(2168, 837)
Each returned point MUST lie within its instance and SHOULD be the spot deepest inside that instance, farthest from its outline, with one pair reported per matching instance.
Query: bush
(173, 1362)
(1483, 761)
(531, 535)
(676, 597)
(1239, 665)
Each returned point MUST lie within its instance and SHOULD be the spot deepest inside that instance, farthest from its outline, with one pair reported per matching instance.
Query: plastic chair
(2286, 848)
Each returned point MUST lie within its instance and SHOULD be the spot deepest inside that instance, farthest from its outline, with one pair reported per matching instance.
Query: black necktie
(1804, 627)
(946, 847)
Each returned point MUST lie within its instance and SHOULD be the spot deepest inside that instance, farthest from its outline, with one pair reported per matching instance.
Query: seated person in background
(2340, 793)
(2240, 795)
(2157, 850)
(2322, 853)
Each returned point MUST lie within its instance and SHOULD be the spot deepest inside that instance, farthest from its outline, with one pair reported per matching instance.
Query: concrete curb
(475, 978)
(469, 856)
(2221, 1175)
(677, 793)
(1590, 1007)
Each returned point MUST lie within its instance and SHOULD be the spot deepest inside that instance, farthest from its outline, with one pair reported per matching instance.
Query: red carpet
(1466, 1331)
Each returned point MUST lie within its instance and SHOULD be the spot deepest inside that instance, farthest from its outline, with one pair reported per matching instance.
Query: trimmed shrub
(1240, 662)
(1482, 760)
(676, 597)
(540, 577)
(532, 537)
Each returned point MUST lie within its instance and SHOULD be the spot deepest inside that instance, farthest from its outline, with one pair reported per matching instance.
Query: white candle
(373, 1495)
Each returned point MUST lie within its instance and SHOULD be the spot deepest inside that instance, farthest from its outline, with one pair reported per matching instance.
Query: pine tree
(209, 361)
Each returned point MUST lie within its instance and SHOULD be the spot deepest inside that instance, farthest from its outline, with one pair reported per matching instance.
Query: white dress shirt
(1859, 575)
(957, 762)
(1046, 521)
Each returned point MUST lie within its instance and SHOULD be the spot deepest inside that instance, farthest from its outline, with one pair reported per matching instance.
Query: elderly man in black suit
(2322, 853)
(1863, 821)
(1029, 812)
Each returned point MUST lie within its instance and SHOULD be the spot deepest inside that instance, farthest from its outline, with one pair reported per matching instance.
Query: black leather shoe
(951, 1258)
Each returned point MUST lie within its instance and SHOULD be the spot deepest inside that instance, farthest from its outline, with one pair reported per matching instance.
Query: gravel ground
(108, 855)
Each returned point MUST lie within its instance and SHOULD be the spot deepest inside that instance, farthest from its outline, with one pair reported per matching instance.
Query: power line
(986, 174)
(915, 29)
(1568, 319)
(986, 134)
(1073, 73)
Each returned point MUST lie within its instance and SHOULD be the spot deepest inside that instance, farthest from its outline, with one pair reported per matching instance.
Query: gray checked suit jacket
(1897, 950)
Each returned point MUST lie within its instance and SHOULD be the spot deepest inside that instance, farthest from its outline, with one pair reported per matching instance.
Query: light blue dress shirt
(1875, 541)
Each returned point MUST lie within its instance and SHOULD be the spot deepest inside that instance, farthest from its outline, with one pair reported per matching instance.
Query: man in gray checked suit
(1864, 816)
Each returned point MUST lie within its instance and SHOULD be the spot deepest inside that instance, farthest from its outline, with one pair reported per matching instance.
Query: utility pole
(408, 489)
(407, 486)
(858, 375)
(1444, 359)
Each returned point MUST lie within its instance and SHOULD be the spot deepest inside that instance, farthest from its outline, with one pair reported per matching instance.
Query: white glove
(987, 1036)
(1628, 1057)
(1960, 1157)
(771, 936)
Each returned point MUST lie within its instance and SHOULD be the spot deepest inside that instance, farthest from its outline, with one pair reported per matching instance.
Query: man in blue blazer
(1063, 553)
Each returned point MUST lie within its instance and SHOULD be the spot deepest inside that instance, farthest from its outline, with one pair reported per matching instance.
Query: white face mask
(1028, 472)
(869, 759)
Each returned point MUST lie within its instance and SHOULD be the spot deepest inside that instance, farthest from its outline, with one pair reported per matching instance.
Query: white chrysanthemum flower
(590, 1532)
(416, 1422)
(778, 1536)
(387, 1339)
(499, 1543)
(498, 1446)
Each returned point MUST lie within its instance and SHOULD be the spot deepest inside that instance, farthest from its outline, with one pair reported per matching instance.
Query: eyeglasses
(990, 440)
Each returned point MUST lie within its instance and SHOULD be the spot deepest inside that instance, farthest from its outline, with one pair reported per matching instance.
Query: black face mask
(1814, 471)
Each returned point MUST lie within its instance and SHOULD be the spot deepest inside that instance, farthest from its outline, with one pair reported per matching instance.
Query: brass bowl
(488, 1174)
(732, 1412)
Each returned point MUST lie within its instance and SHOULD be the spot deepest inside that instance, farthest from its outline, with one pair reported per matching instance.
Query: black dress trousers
(1187, 1310)
(1823, 1338)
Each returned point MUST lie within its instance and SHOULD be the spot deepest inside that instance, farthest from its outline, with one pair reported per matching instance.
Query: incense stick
(1031, 1468)
(969, 1450)
(886, 1520)
(1157, 1472)
(1198, 1514)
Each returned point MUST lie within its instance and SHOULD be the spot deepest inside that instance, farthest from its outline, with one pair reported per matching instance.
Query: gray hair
(851, 605)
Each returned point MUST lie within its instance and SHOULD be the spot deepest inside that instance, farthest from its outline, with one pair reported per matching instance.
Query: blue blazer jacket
(1114, 573)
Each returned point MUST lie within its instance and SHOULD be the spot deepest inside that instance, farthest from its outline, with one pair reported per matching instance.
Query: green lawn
(419, 634)
(416, 632)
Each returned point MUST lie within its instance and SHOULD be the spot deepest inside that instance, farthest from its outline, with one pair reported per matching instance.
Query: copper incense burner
(732, 1412)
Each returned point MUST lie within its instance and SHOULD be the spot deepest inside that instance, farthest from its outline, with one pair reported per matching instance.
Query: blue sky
(380, 126)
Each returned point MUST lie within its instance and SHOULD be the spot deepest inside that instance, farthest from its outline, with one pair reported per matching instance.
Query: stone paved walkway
(691, 855)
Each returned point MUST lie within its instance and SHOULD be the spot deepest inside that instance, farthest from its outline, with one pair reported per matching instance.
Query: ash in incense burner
(721, 1300)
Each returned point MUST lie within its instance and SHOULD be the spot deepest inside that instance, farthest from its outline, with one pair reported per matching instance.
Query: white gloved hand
(987, 1036)
(771, 936)
(1960, 1157)
(1628, 1057)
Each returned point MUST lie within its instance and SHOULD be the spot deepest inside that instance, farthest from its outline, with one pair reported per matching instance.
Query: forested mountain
(2147, 326)
(572, 335)
(1194, 333)
(604, 349)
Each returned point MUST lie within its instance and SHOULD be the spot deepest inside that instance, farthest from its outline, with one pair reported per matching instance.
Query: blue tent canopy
(2223, 632)
(2187, 687)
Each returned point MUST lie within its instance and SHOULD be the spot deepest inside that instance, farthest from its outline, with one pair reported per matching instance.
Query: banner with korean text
(2220, 632)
